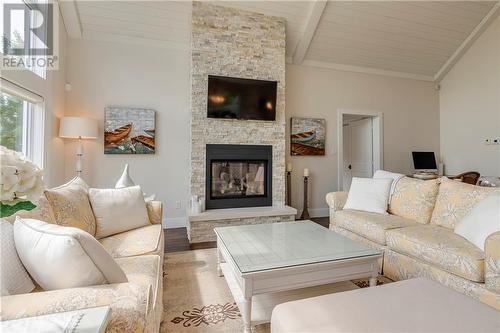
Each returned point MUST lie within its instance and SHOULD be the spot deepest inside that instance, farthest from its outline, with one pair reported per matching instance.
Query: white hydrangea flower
(19, 177)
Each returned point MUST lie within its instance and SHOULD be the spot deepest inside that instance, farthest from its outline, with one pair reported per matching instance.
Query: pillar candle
(306, 172)
(289, 167)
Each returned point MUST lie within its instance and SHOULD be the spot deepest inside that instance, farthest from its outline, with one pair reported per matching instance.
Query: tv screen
(424, 160)
(235, 98)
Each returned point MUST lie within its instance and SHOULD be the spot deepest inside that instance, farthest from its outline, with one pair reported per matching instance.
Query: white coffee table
(268, 258)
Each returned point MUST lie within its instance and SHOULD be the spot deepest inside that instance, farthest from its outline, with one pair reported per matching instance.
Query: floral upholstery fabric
(414, 199)
(144, 271)
(370, 225)
(155, 211)
(129, 303)
(145, 240)
(455, 200)
(440, 247)
(362, 240)
(400, 267)
(492, 252)
(70, 205)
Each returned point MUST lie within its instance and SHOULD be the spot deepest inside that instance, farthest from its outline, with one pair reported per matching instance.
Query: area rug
(196, 299)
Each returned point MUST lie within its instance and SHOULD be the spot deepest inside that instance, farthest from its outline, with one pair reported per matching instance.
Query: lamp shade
(78, 127)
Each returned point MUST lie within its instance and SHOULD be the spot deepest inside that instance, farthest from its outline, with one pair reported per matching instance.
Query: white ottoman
(417, 305)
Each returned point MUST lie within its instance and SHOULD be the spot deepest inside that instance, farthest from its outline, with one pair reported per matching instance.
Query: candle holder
(305, 213)
(288, 201)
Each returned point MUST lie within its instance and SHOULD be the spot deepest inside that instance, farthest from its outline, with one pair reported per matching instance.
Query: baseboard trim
(174, 222)
(318, 212)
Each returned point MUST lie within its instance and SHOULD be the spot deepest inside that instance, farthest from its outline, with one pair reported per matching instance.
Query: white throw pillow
(63, 257)
(13, 276)
(387, 174)
(369, 195)
(482, 220)
(118, 210)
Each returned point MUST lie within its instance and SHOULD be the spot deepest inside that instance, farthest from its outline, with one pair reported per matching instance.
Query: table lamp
(78, 128)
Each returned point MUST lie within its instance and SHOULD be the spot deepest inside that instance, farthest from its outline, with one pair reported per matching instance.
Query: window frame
(32, 140)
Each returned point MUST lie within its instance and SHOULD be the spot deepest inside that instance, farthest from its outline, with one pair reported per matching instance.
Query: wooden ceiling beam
(317, 8)
(71, 18)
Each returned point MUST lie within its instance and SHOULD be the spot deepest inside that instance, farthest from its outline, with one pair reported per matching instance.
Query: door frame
(378, 140)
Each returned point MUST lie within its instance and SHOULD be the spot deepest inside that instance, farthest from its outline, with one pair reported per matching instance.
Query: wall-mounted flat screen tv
(235, 98)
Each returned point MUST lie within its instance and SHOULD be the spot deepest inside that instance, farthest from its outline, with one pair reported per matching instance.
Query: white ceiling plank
(317, 8)
(71, 18)
(397, 38)
(483, 25)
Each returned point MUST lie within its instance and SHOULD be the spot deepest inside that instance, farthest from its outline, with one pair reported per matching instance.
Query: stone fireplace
(238, 176)
(234, 43)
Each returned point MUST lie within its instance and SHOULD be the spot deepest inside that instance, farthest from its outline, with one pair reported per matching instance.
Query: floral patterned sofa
(417, 237)
(136, 306)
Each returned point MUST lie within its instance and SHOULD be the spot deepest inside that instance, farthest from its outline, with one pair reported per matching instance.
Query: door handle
(349, 167)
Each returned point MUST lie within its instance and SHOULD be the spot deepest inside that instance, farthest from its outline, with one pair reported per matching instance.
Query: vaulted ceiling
(418, 39)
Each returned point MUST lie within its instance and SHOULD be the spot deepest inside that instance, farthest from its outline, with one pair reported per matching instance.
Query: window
(21, 121)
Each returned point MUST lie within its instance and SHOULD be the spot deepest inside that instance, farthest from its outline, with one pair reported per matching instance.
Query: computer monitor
(424, 161)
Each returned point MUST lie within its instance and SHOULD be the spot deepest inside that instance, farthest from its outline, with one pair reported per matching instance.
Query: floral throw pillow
(414, 199)
(455, 200)
(71, 207)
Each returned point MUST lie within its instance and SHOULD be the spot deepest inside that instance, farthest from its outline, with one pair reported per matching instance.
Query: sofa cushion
(370, 225)
(440, 247)
(414, 199)
(63, 257)
(70, 205)
(455, 200)
(145, 240)
(118, 210)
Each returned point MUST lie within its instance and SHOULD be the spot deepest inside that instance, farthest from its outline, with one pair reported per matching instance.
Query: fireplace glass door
(238, 179)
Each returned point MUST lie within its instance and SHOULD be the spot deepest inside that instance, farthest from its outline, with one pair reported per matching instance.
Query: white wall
(470, 108)
(411, 121)
(52, 90)
(108, 73)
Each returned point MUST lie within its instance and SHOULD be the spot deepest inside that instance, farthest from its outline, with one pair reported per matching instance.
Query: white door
(358, 150)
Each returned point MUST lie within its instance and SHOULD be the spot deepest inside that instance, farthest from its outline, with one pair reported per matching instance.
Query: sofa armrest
(336, 200)
(492, 255)
(155, 211)
(129, 303)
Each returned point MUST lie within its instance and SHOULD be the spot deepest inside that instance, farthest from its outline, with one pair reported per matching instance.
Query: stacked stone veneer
(230, 42)
(203, 231)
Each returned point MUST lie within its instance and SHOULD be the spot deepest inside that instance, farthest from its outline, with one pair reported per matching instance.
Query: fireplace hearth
(238, 176)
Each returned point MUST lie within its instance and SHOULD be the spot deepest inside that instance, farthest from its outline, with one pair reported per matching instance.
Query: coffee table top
(278, 245)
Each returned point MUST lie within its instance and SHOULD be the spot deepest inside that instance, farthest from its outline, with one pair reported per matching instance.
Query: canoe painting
(304, 136)
(145, 140)
(129, 130)
(117, 135)
(307, 137)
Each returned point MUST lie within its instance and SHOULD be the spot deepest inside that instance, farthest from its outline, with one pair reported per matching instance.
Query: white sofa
(136, 306)
(417, 237)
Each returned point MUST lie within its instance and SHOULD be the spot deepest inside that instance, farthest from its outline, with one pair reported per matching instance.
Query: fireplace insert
(238, 176)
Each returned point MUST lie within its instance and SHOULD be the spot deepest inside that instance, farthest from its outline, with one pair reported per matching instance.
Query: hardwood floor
(176, 238)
